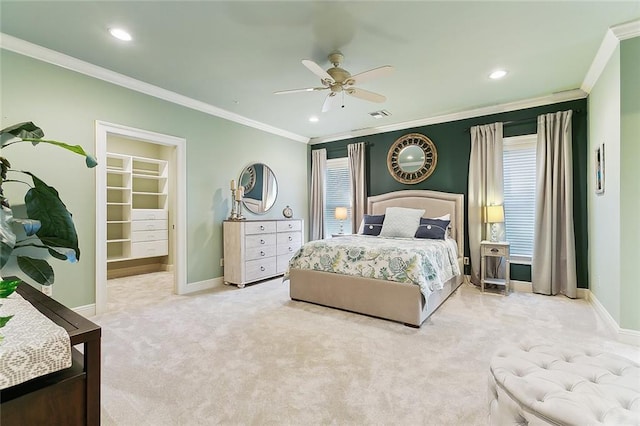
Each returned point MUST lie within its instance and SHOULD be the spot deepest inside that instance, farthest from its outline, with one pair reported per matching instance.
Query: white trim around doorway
(103, 129)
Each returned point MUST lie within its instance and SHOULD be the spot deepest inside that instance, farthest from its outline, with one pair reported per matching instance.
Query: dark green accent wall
(453, 142)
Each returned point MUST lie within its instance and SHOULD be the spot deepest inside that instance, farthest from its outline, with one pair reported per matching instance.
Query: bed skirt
(384, 299)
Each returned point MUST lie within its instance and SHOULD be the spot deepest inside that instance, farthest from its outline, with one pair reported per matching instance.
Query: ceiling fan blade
(329, 101)
(365, 94)
(308, 89)
(317, 70)
(368, 75)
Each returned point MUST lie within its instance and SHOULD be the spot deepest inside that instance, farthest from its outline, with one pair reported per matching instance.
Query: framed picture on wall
(599, 169)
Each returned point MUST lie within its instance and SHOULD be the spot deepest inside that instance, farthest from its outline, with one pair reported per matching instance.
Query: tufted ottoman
(542, 385)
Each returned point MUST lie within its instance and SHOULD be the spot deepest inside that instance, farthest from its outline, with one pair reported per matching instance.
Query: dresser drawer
(138, 236)
(261, 268)
(494, 251)
(288, 249)
(289, 237)
(260, 252)
(149, 225)
(259, 227)
(149, 214)
(289, 225)
(253, 241)
(150, 248)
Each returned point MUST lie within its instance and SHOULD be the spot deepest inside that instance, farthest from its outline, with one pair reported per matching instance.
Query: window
(519, 163)
(338, 194)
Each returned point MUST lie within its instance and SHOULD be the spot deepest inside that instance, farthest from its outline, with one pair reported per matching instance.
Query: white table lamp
(341, 214)
(494, 215)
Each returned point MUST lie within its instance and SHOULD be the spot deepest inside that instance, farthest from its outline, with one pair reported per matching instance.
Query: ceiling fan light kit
(339, 80)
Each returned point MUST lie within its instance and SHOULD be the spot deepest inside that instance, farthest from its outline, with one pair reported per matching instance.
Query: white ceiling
(233, 55)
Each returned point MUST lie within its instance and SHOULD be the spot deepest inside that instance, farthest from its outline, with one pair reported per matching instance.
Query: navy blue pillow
(434, 229)
(372, 224)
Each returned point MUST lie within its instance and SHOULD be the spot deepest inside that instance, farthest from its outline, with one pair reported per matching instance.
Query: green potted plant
(48, 227)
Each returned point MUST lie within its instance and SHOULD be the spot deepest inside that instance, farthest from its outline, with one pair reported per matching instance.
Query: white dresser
(258, 249)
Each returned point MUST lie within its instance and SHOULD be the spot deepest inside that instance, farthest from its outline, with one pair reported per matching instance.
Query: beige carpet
(253, 356)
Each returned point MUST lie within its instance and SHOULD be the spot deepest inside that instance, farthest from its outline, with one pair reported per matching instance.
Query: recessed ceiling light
(313, 119)
(120, 34)
(497, 74)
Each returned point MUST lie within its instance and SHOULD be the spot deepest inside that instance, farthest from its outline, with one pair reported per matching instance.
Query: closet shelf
(149, 193)
(140, 226)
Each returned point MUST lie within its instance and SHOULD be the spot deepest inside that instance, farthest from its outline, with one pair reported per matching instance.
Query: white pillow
(443, 217)
(401, 222)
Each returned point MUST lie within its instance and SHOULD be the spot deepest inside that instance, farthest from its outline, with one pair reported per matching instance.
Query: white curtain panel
(554, 257)
(356, 152)
(485, 187)
(318, 179)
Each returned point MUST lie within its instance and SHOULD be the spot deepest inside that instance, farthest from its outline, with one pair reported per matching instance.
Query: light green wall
(630, 183)
(66, 104)
(604, 209)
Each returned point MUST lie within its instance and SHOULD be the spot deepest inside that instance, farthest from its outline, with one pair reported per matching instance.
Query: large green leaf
(7, 287)
(57, 228)
(24, 130)
(36, 269)
(90, 160)
(4, 321)
(7, 237)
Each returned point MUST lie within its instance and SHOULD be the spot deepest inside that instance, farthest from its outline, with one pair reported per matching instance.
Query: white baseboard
(631, 337)
(204, 285)
(86, 310)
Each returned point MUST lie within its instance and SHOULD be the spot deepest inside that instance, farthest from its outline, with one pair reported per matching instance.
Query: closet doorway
(140, 209)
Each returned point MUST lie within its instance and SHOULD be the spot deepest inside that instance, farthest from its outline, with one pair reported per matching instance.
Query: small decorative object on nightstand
(287, 212)
(341, 214)
(494, 249)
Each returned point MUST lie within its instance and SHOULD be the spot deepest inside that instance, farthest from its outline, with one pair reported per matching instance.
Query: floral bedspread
(427, 263)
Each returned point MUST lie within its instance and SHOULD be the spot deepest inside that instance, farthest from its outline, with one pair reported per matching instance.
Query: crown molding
(610, 42)
(53, 57)
(566, 95)
(627, 30)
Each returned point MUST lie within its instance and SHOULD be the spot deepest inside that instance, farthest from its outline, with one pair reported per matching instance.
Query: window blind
(519, 165)
(338, 194)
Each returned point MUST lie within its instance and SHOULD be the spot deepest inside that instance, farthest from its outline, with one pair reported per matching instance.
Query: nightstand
(494, 249)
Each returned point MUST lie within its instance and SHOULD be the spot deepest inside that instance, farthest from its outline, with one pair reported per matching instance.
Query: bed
(397, 301)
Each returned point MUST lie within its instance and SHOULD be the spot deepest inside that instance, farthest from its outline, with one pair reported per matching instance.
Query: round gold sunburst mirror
(412, 158)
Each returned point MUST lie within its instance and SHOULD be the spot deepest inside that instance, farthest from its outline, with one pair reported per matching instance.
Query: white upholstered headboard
(434, 204)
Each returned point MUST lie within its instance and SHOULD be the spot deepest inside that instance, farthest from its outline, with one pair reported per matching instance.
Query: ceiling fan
(339, 80)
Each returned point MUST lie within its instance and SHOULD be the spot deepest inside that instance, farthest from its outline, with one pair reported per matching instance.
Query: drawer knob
(494, 250)
(261, 228)
(261, 241)
(290, 226)
(262, 268)
(261, 253)
(290, 238)
(290, 249)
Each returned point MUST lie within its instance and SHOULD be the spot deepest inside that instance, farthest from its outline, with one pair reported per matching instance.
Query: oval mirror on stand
(260, 188)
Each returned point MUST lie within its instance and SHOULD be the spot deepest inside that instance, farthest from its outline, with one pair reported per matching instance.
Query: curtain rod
(524, 120)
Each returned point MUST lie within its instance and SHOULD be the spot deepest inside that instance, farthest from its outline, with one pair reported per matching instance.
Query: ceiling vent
(380, 114)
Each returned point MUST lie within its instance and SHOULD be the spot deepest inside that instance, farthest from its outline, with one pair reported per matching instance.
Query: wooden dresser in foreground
(66, 397)
(255, 250)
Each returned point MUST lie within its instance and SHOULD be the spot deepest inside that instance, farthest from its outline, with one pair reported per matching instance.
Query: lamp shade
(495, 214)
(341, 213)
